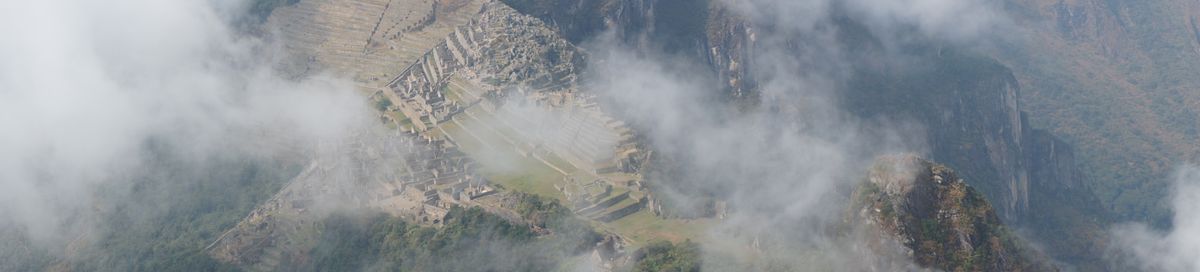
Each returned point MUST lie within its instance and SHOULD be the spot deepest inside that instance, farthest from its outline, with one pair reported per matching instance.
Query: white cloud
(1175, 250)
(85, 83)
(954, 20)
(948, 20)
(785, 164)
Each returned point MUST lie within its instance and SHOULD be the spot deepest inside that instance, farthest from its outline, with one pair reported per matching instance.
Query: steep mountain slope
(971, 106)
(943, 222)
(708, 32)
(1118, 79)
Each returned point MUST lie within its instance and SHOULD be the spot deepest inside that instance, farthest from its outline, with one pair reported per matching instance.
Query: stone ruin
(407, 175)
(496, 57)
(504, 57)
(501, 49)
(600, 200)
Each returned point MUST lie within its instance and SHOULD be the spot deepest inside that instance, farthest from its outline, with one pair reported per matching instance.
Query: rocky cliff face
(973, 119)
(707, 32)
(1113, 77)
(971, 110)
(941, 221)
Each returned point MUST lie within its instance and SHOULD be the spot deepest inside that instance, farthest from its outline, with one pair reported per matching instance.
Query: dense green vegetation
(1114, 79)
(972, 238)
(470, 239)
(19, 253)
(576, 234)
(382, 104)
(166, 217)
(162, 220)
(665, 256)
(575, 20)
(678, 25)
(261, 9)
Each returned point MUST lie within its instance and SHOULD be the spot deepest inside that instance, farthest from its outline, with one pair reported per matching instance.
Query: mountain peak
(942, 222)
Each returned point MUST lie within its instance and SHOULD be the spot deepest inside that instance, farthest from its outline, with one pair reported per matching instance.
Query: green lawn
(643, 227)
(501, 162)
(539, 180)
